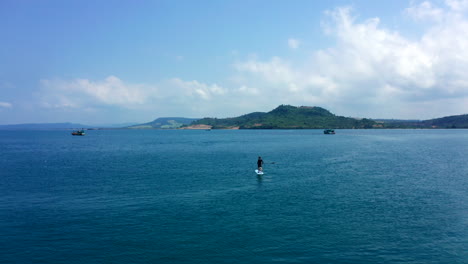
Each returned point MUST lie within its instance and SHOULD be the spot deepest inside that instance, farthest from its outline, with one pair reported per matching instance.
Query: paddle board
(259, 172)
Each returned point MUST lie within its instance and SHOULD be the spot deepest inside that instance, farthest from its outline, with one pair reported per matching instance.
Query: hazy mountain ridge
(165, 123)
(43, 126)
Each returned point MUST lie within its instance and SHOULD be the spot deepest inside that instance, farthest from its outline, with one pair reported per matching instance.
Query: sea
(192, 196)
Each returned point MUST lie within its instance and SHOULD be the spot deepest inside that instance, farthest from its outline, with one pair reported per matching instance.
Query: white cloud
(370, 71)
(373, 67)
(195, 89)
(274, 71)
(5, 105)
(167, 97)
(457, 5)
(294, 43)
(248, 90)
(79, 92)
(425, 10)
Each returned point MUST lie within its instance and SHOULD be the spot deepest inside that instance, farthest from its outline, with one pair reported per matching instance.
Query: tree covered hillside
(288, 117)
(459, 121)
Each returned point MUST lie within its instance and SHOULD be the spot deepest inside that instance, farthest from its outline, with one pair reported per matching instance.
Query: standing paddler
(260, 163)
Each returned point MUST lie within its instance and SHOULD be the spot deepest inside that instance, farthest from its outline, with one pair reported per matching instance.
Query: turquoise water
(179, 196)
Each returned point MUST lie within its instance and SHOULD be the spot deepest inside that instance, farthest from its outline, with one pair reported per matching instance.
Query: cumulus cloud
(166, 96)
(248, 90)
(275, 70)
(370, 71)
(425, 10)
(194, 89)
(75, 93)
(5, 105)
(458, 5)
(373, 67)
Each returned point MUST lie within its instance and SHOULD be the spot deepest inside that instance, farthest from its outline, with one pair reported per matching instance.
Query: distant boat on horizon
(329, 131)
(78, 133)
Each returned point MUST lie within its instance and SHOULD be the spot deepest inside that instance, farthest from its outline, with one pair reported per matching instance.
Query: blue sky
(99, 62)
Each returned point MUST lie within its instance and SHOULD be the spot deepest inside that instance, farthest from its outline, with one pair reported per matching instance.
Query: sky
(110, 62)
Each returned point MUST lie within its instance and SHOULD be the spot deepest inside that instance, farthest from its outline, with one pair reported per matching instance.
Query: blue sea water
(185, 196)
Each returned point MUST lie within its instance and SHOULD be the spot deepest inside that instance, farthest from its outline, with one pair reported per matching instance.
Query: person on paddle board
(260, 163)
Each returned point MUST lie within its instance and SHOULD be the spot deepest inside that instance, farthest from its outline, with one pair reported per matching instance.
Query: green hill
(457, 121)
(288, 117)
(165, 123)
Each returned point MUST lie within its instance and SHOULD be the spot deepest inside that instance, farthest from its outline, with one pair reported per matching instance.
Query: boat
(329, 131)
(78, 133)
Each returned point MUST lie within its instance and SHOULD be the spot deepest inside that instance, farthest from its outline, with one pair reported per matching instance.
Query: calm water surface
(121, 196)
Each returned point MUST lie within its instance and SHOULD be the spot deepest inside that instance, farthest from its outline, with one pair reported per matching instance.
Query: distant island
(287, 117)
(456, 121)
(306, 117)
(282, 117)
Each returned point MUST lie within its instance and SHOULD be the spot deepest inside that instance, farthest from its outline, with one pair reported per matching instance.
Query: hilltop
(287, 117)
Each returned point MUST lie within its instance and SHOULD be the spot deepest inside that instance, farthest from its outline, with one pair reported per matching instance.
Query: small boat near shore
(78, 133)
(329, 131)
